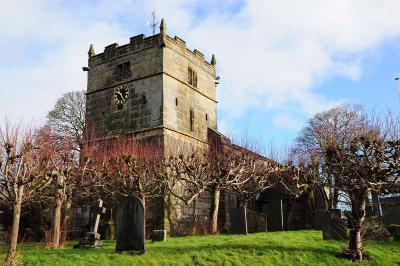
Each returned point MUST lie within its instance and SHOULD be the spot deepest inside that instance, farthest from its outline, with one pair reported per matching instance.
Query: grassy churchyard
(274, 248)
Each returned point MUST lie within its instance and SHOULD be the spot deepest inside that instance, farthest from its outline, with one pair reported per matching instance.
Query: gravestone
(390, 210)
(256, 221)
(334, 227)
(92, 239)
(130, 224)
(275, 215)
(159, 235)
(110, 230)
(238, 220)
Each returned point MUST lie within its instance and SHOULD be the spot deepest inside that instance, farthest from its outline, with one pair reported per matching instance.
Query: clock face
(121, 94)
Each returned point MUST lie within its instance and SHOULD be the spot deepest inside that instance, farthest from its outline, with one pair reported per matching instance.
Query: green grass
(277, 248)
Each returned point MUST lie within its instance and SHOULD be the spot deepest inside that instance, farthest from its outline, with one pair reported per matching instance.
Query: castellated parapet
(171, 90)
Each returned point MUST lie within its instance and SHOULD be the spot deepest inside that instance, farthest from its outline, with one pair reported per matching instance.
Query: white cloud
(273, 52)
(270, 54)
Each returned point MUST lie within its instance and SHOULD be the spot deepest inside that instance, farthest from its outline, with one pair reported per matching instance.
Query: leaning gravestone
(238, 220)
(334, 228)
(130, 224)
(92, 239)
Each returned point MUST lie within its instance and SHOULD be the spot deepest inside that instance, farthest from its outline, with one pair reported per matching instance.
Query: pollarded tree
(61, 164)
(187, 174)
(125, 167)
(370, 162)
(259, 174)
(235, 168)
(132, 168)
(20, 174)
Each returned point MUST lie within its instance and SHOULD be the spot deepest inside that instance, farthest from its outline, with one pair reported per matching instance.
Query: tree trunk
(214, 211)
(65, 218)
(194, 217)
(358, 203)
(55, 238)
(143, 198)
(59, 196)
(15, 226)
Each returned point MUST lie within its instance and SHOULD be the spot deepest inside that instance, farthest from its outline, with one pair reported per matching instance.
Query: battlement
(195, 55)
(114, 51)
(140, 42)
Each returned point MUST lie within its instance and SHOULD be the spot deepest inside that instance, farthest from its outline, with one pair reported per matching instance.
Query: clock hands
(121, 95)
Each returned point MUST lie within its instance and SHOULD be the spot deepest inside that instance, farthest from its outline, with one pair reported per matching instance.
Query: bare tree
(260, 173)
(334, 124)
(235, 168)
(68, 116)
(61, 167)
(124, 167)
(370, 162)
(19, 176)
(360, 152)
(132, 168)
(187, 174)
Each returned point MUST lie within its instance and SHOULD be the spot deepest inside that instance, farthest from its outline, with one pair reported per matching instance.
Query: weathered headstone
(334, 228)
(275, 215)
(159, 235)
(256, 221)
(130, 224)
(92, 239)
(110, 231)
(390, 210)
(238, 220)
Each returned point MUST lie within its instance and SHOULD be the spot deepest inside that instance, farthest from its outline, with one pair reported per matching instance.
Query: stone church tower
(152, 87)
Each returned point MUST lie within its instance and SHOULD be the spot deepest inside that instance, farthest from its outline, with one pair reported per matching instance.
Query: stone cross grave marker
(99, 211)
(92, 239)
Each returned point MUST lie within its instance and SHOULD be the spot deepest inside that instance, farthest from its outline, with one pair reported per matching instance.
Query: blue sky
(280, 62)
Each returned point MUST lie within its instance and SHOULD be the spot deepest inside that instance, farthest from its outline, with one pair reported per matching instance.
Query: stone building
(157, 89)
(154, 88)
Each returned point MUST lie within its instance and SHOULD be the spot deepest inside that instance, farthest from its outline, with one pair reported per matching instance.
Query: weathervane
(154, 24)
